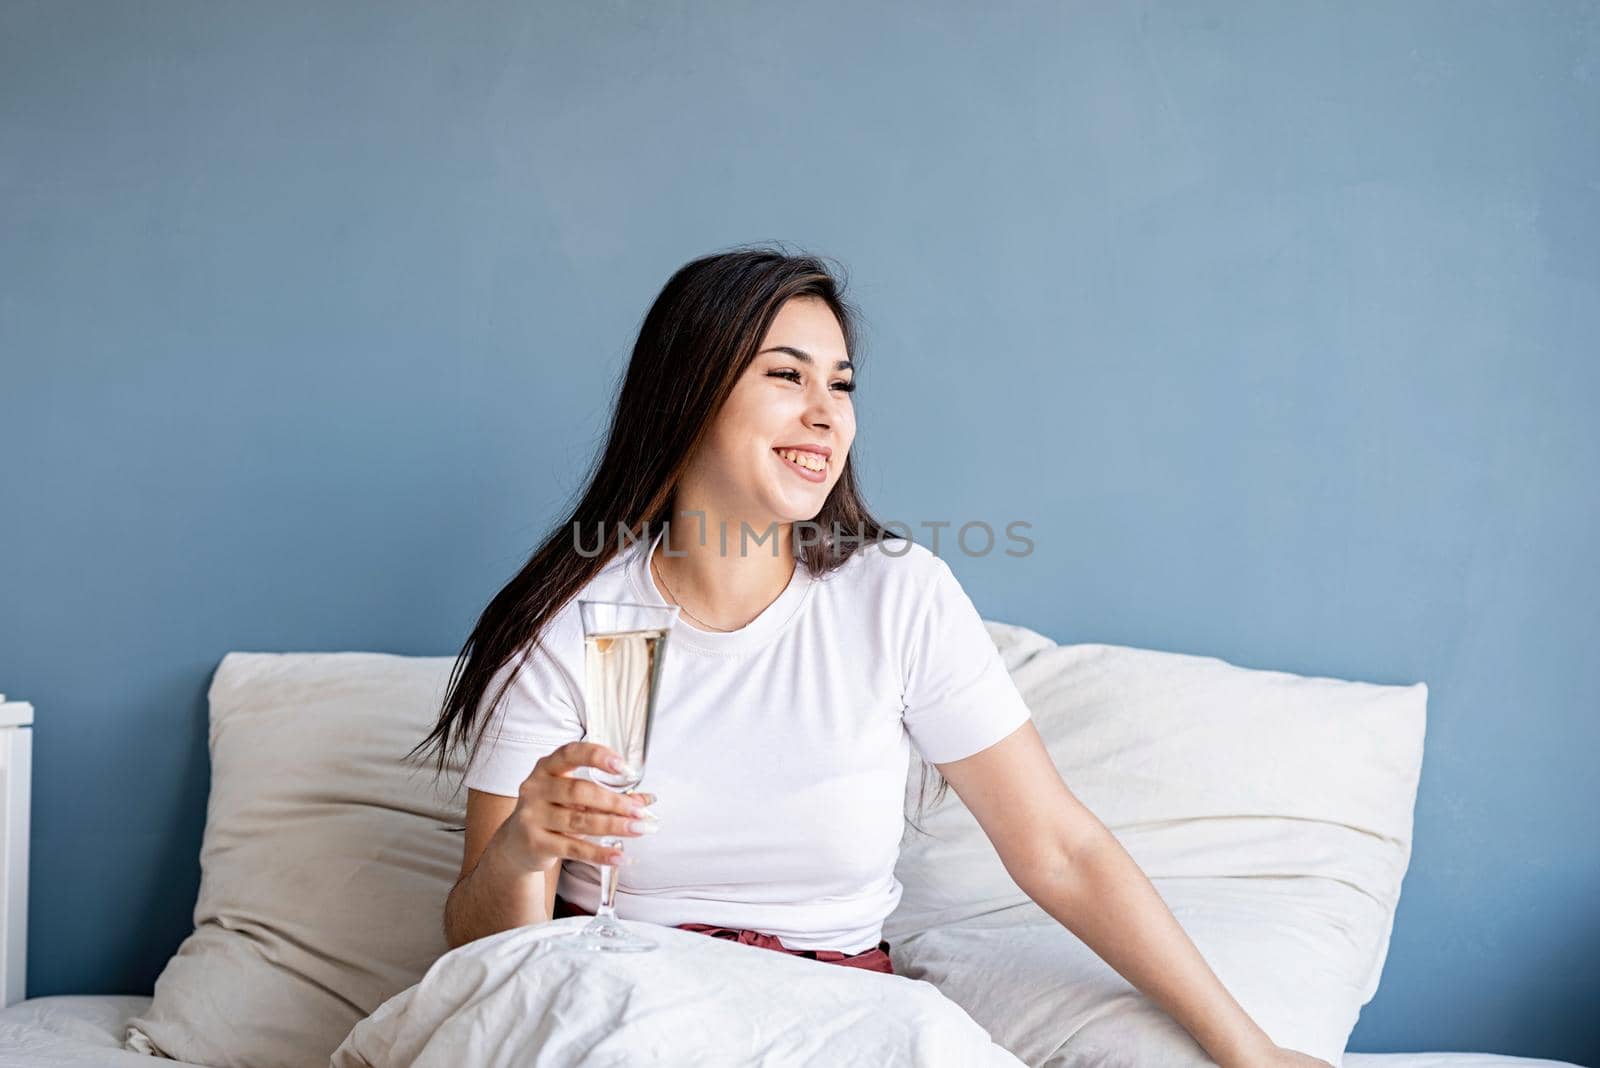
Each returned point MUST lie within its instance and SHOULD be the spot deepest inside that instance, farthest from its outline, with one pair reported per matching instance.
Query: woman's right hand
(554, 809)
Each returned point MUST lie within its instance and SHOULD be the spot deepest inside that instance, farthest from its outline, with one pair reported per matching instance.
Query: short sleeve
(537, 716)
(959, 697)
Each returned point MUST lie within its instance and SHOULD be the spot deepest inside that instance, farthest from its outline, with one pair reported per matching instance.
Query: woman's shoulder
(614, 579)
(611, 582)
(893, 573)
(901, 557)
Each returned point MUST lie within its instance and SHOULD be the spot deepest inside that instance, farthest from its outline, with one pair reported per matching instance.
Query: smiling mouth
(796, 461)
(800, 458)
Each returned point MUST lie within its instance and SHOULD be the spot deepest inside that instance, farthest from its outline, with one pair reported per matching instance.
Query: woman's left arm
(1065, 859)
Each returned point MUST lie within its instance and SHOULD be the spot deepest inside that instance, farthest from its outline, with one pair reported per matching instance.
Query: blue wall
(1276, 321)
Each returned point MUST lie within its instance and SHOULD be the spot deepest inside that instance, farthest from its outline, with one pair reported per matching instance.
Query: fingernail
(646, 813)
(616, 764)
(644, 826)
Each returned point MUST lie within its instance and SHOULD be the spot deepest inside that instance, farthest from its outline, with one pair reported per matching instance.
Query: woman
(812, 650)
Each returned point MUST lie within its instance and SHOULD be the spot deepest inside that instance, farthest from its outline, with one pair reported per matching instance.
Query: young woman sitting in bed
(801, 670)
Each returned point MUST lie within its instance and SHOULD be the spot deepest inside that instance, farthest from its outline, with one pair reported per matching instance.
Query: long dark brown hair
(697, 339)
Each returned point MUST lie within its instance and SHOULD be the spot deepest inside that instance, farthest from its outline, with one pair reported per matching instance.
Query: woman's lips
(804, 472)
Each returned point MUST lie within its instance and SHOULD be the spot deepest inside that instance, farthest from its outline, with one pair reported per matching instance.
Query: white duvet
(516, 998)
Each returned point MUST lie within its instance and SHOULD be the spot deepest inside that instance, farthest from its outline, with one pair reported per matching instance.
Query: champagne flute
(624, 646)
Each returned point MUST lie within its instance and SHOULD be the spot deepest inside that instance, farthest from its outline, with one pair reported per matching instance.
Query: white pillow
(325, 863)
(1272, 812)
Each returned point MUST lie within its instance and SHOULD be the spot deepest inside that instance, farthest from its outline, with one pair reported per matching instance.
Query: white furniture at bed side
(16, 791)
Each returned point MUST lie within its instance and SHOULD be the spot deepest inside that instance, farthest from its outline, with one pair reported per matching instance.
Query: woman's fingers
(585, 850)
(581, 794)
(604, 824)
(574, 755)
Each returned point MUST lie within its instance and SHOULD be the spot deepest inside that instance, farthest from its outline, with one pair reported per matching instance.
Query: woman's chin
(796, 507)
(804, 503)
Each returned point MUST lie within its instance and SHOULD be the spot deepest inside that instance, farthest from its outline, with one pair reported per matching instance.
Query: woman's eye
(794, 376)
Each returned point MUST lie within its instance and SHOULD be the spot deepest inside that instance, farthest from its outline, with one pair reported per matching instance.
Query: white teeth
(809, 460)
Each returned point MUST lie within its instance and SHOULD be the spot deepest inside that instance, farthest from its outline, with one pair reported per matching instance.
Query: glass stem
(608, 885)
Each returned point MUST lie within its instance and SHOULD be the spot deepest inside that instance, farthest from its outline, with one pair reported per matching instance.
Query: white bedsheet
(73, 1031)
(85, 1031)
(519, 998)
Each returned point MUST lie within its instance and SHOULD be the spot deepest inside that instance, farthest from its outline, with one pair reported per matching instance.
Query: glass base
(606, 936)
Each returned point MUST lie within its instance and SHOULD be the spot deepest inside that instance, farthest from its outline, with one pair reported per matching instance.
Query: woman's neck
(726, 582)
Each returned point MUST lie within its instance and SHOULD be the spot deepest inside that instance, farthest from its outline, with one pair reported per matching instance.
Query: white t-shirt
(780, 751)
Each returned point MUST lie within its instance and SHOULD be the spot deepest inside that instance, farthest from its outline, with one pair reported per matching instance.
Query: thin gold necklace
(656, 568)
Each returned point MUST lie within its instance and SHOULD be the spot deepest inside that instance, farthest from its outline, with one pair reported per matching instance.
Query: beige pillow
(1272, 811)
(325, 864)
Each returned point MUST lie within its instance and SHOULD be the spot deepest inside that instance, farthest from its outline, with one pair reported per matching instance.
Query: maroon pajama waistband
(873, 960)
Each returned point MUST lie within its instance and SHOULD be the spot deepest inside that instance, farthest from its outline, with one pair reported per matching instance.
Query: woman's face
(794, 393)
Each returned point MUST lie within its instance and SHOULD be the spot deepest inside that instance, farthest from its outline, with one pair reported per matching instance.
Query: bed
(85, 1031)
(325, 864)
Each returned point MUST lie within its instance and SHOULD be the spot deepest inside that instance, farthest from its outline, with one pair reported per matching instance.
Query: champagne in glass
(624, 646)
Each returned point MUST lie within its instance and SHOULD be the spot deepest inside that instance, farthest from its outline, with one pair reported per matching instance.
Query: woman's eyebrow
(805, 357)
